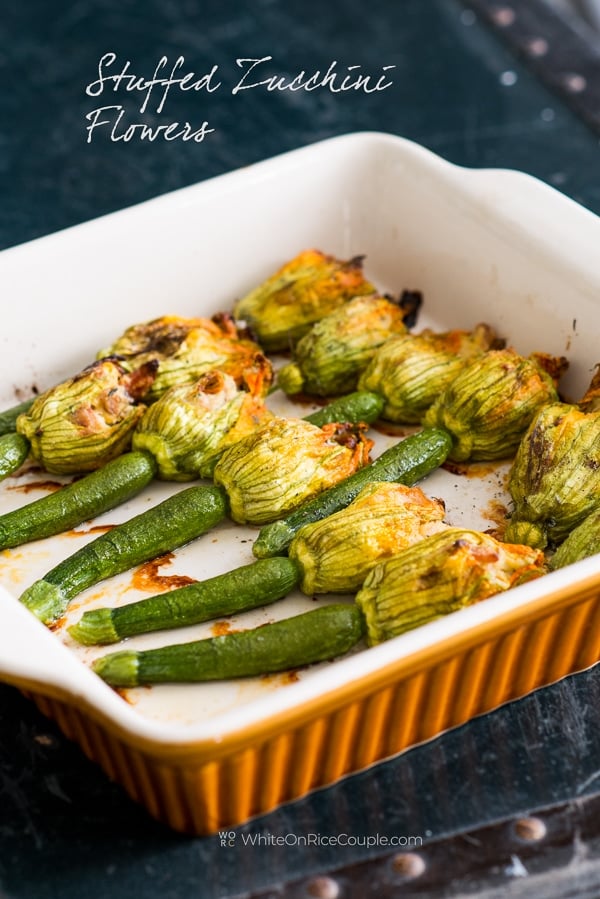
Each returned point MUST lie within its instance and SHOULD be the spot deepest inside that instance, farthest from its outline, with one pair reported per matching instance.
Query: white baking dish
(492, 246)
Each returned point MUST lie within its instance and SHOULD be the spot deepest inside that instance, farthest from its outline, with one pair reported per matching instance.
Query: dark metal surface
(553, 853)
(64, 830)
(562, 49)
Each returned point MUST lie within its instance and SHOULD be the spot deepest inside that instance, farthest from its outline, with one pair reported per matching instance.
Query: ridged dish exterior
(207, 787)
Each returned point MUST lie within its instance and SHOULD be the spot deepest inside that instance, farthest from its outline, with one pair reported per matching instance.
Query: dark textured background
(64, 830)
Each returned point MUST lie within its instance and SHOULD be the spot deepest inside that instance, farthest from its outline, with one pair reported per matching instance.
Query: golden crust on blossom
(306, 289)
(439, 575)
(188, 428)
(336, 554)
(185, 348)
(84, 422)
(286, 462)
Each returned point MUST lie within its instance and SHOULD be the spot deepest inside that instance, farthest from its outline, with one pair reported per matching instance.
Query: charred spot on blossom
(410, 301)
(139, 382)
(226, 322)
(346, 433)
(95, 369)
(164, 338)
(461, 543)
(355, 262)
(212, 382)
(555, 366)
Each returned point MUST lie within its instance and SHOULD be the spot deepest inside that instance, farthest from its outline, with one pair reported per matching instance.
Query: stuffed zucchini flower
(336, 553)
(286, 462)
(282, 309)
(84, 422)
(490, 403)
(185, 348)
(439, 575)
(411, 371)
(329, 359)
(582, 542)
(188, 428)
(555, 477)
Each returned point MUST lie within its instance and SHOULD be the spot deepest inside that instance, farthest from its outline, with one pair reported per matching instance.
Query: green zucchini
(248, 587)
(407, 462)
(92, 495)
(314, 636)
(14, 449)
(354, 407)
(8, 418)
(164, 527)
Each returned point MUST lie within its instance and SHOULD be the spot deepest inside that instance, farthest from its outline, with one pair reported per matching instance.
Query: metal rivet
(574, 83)
(530, 829)
(323, 888)
(408, 864)
(537, 46)
(504, 16)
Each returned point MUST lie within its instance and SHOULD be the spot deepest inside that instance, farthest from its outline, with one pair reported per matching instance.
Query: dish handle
(30, 656)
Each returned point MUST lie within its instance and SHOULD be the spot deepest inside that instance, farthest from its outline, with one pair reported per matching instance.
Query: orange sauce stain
(280, 678)
(125, 695)
(471, 469)
(303, 399)
(389, 429)
(50, 486)
(13, 555)
(147, 578)
(498, 513)
(221, 628)
(94, 529)
(57, 625)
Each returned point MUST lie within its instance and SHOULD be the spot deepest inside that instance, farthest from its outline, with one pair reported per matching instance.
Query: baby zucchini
(354, 407)
(407, 462)
(14, 449)
(248, 587)
(8, 418)
(92, 495)
(314, 636)
(170, 524)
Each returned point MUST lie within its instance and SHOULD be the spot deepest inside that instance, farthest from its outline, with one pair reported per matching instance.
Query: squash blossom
(490, 403)
(282, 309)
(329, 359)
(188, 428)
(583, 541)
(410, 372)
(439, 575)
(84, 422)
(336, 553)
(286, 462)
(555, 478)
(184, 349)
